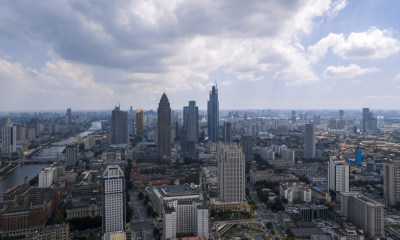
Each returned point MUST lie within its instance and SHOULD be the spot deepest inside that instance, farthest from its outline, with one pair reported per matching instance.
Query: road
(140, 222)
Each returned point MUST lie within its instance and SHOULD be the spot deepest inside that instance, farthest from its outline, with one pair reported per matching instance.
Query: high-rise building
(227, 132)
(246, 142)
(164, 127)
(213, 115)
(190, 128)
(309, 141)
(338, 174)
(71, 155)
(341, 114)
(119, 127)
(9, 136)
(369, 123)
(231, 172)
(139, 122)
(131, 122)
(391, 182)
(294, 120)
(363, 212)
(68, 117)
(113, 198)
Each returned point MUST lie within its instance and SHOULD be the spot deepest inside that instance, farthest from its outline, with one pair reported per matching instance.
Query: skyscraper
(68, 117)
(139, 122)
(294, 120)
(341, 114)
(391, 182)
(9, 136)
(113, 198)
(190, 127)
(131, 122)
(213, 115)
(164, 127)
(227, 132)
(246, 142)
(365, 118)
(338, 174)
(231, 172)
(119, 127)
(309, 141)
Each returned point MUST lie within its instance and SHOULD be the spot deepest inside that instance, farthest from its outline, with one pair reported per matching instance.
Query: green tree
(140, 196)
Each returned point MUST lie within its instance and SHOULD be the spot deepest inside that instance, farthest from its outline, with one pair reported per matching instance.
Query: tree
(149, 210)
(129, 213)
(269, 225)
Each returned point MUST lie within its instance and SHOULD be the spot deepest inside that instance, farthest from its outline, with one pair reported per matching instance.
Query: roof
(160, 181)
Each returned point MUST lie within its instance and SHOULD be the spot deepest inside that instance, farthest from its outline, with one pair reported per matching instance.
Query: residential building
(9, 136)
(391, 182)
(295, 191)
(71, 155)
(364, 212)
(338, 174)
(246, 142)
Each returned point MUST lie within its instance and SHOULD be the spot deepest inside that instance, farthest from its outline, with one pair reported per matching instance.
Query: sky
(262, 54)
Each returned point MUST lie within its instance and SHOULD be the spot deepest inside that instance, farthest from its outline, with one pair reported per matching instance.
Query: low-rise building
(295, 191)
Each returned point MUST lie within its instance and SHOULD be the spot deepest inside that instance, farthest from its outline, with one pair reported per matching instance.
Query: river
(31, 170)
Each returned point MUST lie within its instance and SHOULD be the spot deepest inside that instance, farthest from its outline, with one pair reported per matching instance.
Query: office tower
(231, 172)
(190, 128)
(113, 198)
(227, 132)
(119, 127)
(139, 122)
(246, 142)
(338, 174)
(294, 120)
(68, 117)
(131, 122)
(341, 114)
(9, 136)
(365, 119)
(164, 127)
(391, 182)
(364, 212)
(309, 141)
(213, 115)
(71, 155)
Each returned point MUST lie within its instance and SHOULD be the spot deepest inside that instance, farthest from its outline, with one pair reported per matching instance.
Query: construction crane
(239, 208)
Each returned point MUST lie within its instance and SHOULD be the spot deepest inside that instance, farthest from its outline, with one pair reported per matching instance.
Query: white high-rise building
(188, 218)
(364, 212)
(9, 136)
(113, 197)
(231, 172)
(46, 176)
(338, 174)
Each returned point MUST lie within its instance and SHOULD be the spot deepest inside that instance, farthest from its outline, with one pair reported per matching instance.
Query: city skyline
(263, 55)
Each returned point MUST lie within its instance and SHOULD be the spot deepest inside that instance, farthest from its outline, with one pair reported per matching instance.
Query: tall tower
(131, 122)
(213, 115)
(190, 127)
(365, 118)
(231, 172)
(164, 127)
(9, 136)
(139, 122)
(341, 114)
(309, 141)
(113, 198)
(391, 182)
(119, 126)
(68, 117)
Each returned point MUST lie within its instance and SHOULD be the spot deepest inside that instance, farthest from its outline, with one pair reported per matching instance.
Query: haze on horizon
(321, 54)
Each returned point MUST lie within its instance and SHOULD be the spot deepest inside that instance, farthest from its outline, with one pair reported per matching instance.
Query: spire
(164, 98)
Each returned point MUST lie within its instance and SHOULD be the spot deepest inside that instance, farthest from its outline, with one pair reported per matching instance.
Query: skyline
(263, 55)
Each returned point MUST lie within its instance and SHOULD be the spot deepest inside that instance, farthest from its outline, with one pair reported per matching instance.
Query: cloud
(372, 44)
(350, 71)
(397, 76)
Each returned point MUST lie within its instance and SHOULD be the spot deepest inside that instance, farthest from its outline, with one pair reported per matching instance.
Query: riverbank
(8, 169)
